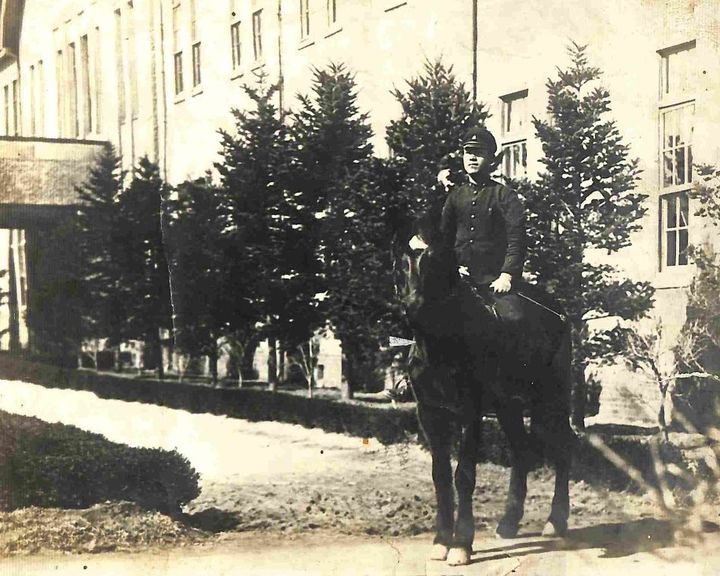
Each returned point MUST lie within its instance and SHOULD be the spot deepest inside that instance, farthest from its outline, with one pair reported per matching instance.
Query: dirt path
(323, 554)
(284, 499)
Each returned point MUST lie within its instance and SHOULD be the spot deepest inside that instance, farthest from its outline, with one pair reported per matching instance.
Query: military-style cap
(480, 137)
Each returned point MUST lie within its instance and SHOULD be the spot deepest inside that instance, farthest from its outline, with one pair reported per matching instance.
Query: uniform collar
(484, 180)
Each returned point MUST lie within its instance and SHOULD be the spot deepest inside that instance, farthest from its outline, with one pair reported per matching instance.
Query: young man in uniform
(484, 222)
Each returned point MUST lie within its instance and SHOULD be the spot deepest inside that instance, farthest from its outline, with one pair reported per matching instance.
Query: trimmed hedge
(386, 425)
(54, 465)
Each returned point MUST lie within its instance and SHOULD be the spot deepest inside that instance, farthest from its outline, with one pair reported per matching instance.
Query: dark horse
(466, 362)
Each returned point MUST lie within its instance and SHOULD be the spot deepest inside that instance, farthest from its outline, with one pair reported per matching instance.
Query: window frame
(304, 20)
(196, 65)
(332, 13)
(507, 165)
(665, 94)
(177, 49)
(676, 230)
(687, 146)
(257, 35)
(509, 130)
(178, 73)
(513, 135)
(236, 47)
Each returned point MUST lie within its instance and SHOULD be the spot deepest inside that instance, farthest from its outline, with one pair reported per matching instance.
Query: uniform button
(474, 202)
(472, 215)
(472, 229)
(475, 192)
(471, 240)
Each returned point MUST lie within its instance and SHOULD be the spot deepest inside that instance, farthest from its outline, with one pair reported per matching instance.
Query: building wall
(135, 104)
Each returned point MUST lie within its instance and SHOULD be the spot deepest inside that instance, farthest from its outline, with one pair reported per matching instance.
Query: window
(332, 15)
(178, 73)
(72, 88)
(514, 112)
(16, 107)
(514, 162)
(87, 104)
(177, 49)
(676, 112)
(257, 34)
(6, 105)
(235, 44)
(304, 19)
(60, 84)
(32, 100)
(514, 134)
(677, 133)
(119, 67)
(196, 64)
(132, 63)
(196, 61)
(97, 76)
(320, 372)
(675, 215)
(40, 100)
(677, 70)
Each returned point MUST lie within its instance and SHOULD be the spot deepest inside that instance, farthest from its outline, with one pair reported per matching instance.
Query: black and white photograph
(360, 287)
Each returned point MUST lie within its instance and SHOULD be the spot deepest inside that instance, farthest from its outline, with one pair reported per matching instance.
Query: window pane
(516, 159)
(669, 128)
(524, 158)
(689, 163)
(668, 169)
(235, 40)
(178, 73)
(671, 204)
(671, 248)
(683, 247)
(684, 210)
(196, 64)
(680, 165)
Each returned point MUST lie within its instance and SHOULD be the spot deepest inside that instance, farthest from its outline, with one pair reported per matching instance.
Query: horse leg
(557, 522)
(465, 478)
(510, 417)
(559, 439)
(557, 434)
(436, 425)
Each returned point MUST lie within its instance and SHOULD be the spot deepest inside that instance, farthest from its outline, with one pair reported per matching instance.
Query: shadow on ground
(617, 540)
(212, 520)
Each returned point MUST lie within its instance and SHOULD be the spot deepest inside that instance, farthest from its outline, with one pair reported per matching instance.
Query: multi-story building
(159, 77)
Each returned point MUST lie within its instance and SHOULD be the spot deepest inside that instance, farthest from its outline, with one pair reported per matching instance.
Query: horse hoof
(506, 530)
(552, 530)
(458, 557)
(439, 552)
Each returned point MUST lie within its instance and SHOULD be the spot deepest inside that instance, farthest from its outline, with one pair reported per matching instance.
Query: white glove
(502, 284)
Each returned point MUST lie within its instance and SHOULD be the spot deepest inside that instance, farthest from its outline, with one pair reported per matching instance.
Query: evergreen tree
(340, 186)
(100, 268)
(437, 111)
(584, 204)
(145, 277)
(253, 173)
(197, 250)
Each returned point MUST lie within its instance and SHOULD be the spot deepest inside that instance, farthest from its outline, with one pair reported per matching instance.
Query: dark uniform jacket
(486, 225)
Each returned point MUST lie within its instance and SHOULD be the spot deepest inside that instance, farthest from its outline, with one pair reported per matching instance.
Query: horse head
(426, 281)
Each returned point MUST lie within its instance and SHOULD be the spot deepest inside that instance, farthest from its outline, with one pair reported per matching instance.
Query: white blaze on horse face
(463, 271)
(417, 243)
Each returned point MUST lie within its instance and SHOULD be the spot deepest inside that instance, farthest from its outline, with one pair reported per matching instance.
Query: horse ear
(495, 162)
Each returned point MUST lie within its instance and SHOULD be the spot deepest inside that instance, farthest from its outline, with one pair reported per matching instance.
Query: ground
(281, 487)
